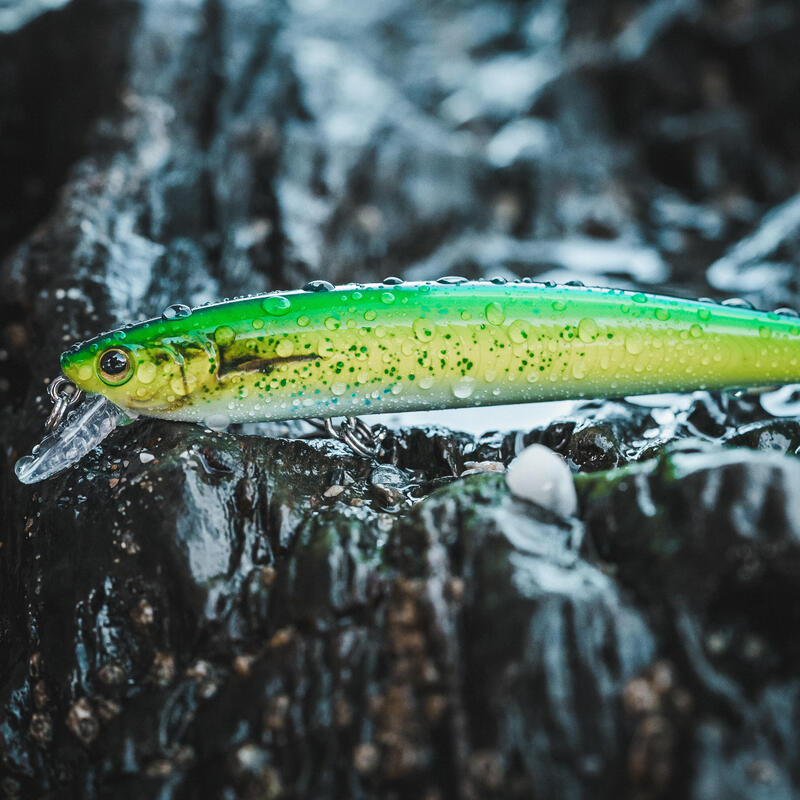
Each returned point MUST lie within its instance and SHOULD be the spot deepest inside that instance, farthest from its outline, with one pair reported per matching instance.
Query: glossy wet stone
(719, 580)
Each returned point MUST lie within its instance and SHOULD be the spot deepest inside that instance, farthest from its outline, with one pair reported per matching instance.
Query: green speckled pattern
(376, 348)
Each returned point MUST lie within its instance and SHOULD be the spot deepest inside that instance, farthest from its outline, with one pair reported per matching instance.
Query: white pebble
(146, 458)
(543, 476)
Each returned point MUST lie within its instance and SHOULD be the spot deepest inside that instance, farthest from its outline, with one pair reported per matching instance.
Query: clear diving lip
(84, 428)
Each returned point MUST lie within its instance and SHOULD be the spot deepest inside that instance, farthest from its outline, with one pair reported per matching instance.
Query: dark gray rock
(710, 543)
(557, 637)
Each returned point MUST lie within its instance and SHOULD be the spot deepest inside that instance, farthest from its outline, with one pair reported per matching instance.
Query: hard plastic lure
(325, 351)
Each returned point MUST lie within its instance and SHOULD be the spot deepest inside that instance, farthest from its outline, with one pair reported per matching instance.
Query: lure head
(139, 371)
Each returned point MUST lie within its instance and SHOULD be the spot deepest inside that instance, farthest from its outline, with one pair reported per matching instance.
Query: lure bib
(410, 346)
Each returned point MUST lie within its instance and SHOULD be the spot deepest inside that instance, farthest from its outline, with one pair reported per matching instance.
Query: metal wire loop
(64, 394)
(355, 433)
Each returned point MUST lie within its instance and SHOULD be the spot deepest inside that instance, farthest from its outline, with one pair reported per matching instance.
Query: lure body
(410, 346)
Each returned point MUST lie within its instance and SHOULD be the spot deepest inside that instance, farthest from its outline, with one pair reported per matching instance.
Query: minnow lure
(326, 352)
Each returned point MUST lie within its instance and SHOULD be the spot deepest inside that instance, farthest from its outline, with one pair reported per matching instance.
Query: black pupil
(113, 362)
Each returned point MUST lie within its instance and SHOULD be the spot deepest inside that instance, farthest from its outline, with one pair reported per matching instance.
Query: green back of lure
(376, 348)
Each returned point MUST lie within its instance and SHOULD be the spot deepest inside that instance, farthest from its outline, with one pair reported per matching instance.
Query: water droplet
(370, 314)
(703, 314)
(639, 298)
(258, 323)
(178, 386)
(176, 311)
(325, 349)
(574, 283)
(387, 298)
(85, 372)
(423, 329)
(579, 369)
(217, 422)
(517, 331)
(633, 342)
(276, 304)
(738, 302)
(451, 279)
(495, 314)
(425, 382)
(559, 305)
(662, 314)
(695, 331)
(224, 335)
(318, 286)
(397, 388)
(285, 348)
(303, 321)
(764, 332)
(463, 387)
(587, 330)
(23, 467)
(784, 311)
(331, 323)
(338, 388)
(146, 373)
(380, 331)
(362, 376)
(392, 281)
(550, 284)
(498, 280)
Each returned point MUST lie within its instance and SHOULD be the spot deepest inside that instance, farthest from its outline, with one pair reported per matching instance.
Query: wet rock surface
(245, 614)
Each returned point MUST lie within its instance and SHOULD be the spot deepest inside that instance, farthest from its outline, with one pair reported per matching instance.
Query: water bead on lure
(328, 351)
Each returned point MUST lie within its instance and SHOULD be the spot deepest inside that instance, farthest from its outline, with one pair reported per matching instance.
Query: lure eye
(115, 366)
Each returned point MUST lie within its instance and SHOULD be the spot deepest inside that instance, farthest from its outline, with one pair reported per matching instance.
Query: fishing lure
(326, 352)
